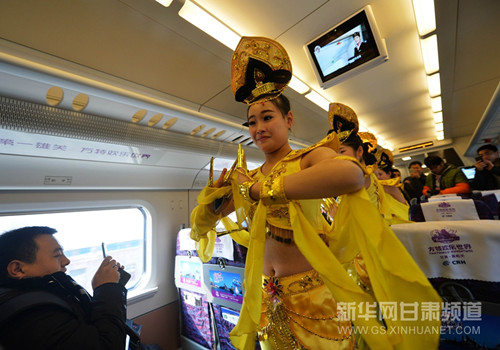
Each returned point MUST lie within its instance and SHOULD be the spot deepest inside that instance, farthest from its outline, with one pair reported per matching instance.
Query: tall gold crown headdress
(368, 137)
(384, 157)
(343, 120)
(260, 70)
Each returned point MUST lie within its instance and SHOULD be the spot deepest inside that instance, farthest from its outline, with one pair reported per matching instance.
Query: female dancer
(344, 122)
(294, 275)
(392, 187)
(382, 191)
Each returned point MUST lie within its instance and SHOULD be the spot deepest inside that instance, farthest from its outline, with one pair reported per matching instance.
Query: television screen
(351, 46)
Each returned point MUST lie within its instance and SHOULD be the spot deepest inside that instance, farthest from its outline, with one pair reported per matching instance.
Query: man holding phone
(487, 168)
(414, 184)
(43, 308)
(124, 275)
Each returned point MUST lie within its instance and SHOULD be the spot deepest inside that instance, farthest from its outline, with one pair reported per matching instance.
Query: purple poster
(226, 285)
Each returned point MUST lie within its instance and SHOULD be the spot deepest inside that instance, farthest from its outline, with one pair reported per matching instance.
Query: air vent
(139, 115)
(155, 119)
(413, 147)
(237, 138)
(219, 134)
(208, 132)
(80, 102)
(169, 123)
(197, 129)
(29, 117)
(54, 95)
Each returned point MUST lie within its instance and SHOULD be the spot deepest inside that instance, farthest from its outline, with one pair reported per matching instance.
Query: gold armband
(272, 192)
(244, 190)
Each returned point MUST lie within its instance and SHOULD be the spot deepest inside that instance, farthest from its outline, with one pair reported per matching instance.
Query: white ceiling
(153, 55)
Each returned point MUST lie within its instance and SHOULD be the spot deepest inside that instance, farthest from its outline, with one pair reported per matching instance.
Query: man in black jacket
(487, 168)
(414, 184)
(56, 312)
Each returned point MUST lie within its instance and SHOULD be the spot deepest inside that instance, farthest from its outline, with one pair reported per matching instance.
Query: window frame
(145, 286)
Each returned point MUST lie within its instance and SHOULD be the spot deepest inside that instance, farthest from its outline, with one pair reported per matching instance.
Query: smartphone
(124, 275)
(479, 158)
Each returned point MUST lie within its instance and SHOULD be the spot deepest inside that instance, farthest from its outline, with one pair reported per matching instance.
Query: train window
(81, 233)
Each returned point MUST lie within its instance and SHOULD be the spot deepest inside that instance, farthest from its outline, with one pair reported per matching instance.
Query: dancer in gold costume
(384, 193)
(360, 145)
(296, 289)
(392, 187)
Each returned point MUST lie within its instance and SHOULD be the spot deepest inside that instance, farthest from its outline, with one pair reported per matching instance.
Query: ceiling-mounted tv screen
(347, 48)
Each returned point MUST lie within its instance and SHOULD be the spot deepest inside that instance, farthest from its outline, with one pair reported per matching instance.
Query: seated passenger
(414, 184)
(444, 178)
(487, 169)
(58, 313)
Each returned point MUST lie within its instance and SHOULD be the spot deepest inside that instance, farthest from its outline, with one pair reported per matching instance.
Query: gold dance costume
(393, 211)
(358, 228)
(299, 312)
(399, 211)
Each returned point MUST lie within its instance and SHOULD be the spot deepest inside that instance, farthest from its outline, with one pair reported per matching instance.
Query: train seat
(450, 210)
(459, 258)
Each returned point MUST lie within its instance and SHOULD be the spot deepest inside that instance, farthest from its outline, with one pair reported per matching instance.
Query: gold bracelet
(272, 191)
(244, 190)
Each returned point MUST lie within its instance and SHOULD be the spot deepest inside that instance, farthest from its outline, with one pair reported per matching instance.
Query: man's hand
(106, 273)
(489, 165)
(483, 164)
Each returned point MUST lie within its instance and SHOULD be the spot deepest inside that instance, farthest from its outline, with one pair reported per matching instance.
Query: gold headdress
(260, 69)
(343, 120)
(384, 158)
(368, 137)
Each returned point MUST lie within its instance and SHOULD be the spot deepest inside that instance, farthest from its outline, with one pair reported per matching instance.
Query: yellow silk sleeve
(243, 334)
(391, 182)
(399, 211)
(383, 203)
(333, 273)
(240, 236)
(203, 221)
(394, 275)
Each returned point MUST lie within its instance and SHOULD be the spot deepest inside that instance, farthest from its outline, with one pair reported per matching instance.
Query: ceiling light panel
(425, 16)
(429, 47)
(209, 24)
